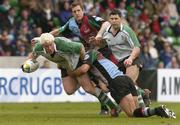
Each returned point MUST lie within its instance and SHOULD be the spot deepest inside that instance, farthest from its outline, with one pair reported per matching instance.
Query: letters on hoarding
(168, 85)
(43, 85)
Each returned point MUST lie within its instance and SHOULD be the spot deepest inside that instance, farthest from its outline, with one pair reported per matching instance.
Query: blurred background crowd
(155, 22)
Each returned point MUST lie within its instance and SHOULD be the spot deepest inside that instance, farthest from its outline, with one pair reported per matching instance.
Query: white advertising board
(168, 85)
(43, 85)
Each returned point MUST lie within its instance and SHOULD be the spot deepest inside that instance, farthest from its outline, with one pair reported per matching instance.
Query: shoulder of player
(71, 18)
(61, 40)
(70, 21)
(126, 28)
(96, 18)
(108, 28)
(64, 41)
(37, 47)
(89, 17)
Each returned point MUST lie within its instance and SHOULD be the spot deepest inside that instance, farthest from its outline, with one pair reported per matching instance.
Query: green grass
(73, 114)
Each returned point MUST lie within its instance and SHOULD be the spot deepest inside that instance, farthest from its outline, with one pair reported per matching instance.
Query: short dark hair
(75, 3)
(115, 12)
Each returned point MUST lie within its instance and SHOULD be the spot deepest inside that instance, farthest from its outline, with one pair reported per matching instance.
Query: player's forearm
(59, 30)
(102, 29)
(76, 73)
(32, 56)
(55, 32)
(82, 52)
(80, 70)
(30, 65)
(99, 37)
(135, 53)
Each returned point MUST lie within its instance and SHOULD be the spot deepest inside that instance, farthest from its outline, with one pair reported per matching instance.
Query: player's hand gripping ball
(30, 66)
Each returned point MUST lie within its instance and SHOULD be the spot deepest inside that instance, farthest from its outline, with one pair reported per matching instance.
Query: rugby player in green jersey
(68, 55)
(84, 27)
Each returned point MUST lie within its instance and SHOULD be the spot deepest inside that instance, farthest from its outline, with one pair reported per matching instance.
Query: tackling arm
(102, 29)
(98, 40)
(87, 61)
(83, 68)
(80, 70)
(82, 52)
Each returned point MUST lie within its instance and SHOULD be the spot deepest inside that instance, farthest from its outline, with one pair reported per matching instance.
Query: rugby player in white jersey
(125, 48)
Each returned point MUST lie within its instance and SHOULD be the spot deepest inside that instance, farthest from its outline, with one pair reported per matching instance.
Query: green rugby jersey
(122, 43)
(67, 53)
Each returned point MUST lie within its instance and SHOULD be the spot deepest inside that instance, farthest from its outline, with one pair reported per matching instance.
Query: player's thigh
(121, 89)
(133, 72)
(103, 86)
(70, 84)
(86, 84)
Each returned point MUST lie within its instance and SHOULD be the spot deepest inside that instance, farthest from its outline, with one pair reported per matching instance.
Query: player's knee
(88, 90)
(69, 92)
(130, 113)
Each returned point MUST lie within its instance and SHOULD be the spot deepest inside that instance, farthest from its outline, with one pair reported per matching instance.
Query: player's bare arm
(135, 53)
(55, 32)
(102, 30)
(82, 52)
(80, 70)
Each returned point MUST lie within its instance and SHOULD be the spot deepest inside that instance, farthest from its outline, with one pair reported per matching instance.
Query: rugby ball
(30, 66)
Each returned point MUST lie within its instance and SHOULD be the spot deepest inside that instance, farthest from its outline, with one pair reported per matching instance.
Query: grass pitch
(73, 114)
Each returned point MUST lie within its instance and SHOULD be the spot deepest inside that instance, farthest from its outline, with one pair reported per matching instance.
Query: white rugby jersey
(123, 42)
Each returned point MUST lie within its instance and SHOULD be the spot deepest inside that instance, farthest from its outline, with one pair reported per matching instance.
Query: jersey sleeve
(64, 27)
(37, 47)
(68, 46)
(76, 47)
(96, 21)
(90, 57)
(131, 36)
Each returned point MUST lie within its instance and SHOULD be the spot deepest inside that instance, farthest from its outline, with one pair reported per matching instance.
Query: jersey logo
(86, 29)
(86, 57)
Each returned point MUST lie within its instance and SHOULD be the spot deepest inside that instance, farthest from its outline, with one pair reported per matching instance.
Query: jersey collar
(121, 28)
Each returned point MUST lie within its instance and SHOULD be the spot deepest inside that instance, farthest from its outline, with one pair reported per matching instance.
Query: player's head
(77, 11)
(47, 42)
(115, 18)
